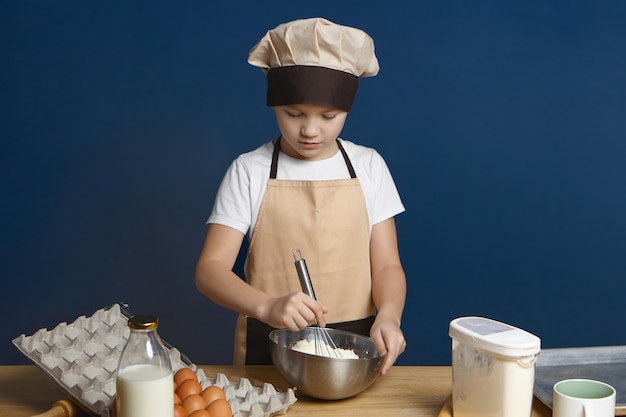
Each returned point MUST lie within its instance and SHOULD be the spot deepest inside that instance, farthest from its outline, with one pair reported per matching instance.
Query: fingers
(313, 312)
(295, 322)
(296, 311)
(320, 312)
(390, 342)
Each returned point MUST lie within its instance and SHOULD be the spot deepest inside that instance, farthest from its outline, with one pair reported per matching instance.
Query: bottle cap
(143, 322)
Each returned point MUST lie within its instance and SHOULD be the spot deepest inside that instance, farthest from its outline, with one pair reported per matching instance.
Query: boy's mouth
(309, 144)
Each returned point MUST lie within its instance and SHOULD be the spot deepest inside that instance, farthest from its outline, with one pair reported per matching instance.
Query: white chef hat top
(314, 61)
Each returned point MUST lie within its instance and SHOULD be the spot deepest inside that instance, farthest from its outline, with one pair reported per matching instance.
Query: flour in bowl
(323, 349)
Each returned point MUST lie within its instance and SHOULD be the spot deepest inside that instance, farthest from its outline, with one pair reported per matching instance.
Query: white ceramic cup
(583, 398)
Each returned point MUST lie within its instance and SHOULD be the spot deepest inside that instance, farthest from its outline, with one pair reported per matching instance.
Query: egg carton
(82, 358)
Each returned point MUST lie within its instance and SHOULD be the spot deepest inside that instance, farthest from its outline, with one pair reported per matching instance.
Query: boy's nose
(309, 130)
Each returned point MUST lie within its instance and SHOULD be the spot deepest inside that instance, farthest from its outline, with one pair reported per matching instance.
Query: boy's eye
(297, 114)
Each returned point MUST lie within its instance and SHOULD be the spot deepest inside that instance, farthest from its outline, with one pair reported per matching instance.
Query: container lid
(494, 336)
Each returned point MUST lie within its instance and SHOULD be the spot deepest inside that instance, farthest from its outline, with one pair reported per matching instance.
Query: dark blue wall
(504, 124)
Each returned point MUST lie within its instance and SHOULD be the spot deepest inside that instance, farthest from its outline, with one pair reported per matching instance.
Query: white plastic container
(493, 368)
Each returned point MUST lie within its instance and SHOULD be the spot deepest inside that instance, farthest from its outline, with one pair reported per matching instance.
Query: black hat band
(303, 84)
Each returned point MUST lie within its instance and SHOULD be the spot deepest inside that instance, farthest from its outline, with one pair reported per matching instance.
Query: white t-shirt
(241, 192)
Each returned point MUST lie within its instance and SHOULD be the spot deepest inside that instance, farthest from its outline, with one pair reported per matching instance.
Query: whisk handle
(303, 274)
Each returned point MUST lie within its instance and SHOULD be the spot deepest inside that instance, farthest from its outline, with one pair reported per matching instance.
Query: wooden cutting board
(539, 409)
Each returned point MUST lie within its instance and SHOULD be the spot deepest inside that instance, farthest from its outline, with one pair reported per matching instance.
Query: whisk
(324, 343)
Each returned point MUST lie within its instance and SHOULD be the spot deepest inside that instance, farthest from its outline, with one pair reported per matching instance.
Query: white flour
(488, 386)
(323, 349)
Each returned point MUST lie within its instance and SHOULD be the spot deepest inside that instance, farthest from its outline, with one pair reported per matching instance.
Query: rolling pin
(61, 408)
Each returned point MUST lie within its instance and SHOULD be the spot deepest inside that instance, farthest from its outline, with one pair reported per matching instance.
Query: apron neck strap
(274, 167)
(345, 158)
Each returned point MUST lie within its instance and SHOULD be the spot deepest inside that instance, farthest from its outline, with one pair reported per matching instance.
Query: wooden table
(417, 391)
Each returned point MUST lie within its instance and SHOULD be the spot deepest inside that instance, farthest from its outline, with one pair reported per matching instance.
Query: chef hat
(314, 61)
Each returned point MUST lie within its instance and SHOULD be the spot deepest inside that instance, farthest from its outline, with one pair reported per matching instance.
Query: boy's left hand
(389, 340)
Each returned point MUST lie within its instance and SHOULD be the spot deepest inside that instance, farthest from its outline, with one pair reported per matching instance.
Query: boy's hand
(389, 340)
(294, 311)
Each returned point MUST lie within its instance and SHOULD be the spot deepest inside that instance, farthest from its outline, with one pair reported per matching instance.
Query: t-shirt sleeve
(232, 203)
(387, 201)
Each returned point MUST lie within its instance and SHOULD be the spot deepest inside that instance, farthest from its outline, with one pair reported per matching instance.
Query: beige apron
(328, 222)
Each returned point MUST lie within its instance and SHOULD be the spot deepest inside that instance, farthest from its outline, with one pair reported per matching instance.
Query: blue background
(503, 123)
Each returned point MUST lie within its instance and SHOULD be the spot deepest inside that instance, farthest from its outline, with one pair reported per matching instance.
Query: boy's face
(309, 131)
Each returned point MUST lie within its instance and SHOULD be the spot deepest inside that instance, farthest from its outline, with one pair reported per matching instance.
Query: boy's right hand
(294, 311)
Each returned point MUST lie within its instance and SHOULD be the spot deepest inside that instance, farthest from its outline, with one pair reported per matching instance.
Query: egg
(179, 411)
(194, 402)
(200, 413)
(220, 408)
(187, 388)
(212, 393)
(177, 399)
(184, 374)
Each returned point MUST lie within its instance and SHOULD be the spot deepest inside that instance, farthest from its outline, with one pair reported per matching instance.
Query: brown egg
(184, 374)
(220, 408)
(187, 388)
(200, 413)
(179, 411)
(194, 402)
(212, 393)
(177, 399)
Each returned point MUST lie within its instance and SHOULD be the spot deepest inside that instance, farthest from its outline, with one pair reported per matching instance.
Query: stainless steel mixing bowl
(324, 377)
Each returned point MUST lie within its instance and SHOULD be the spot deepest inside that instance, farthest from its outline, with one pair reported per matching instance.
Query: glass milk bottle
(144, 382)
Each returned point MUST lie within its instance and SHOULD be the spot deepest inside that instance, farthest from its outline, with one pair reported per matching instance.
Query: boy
(308, 190)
